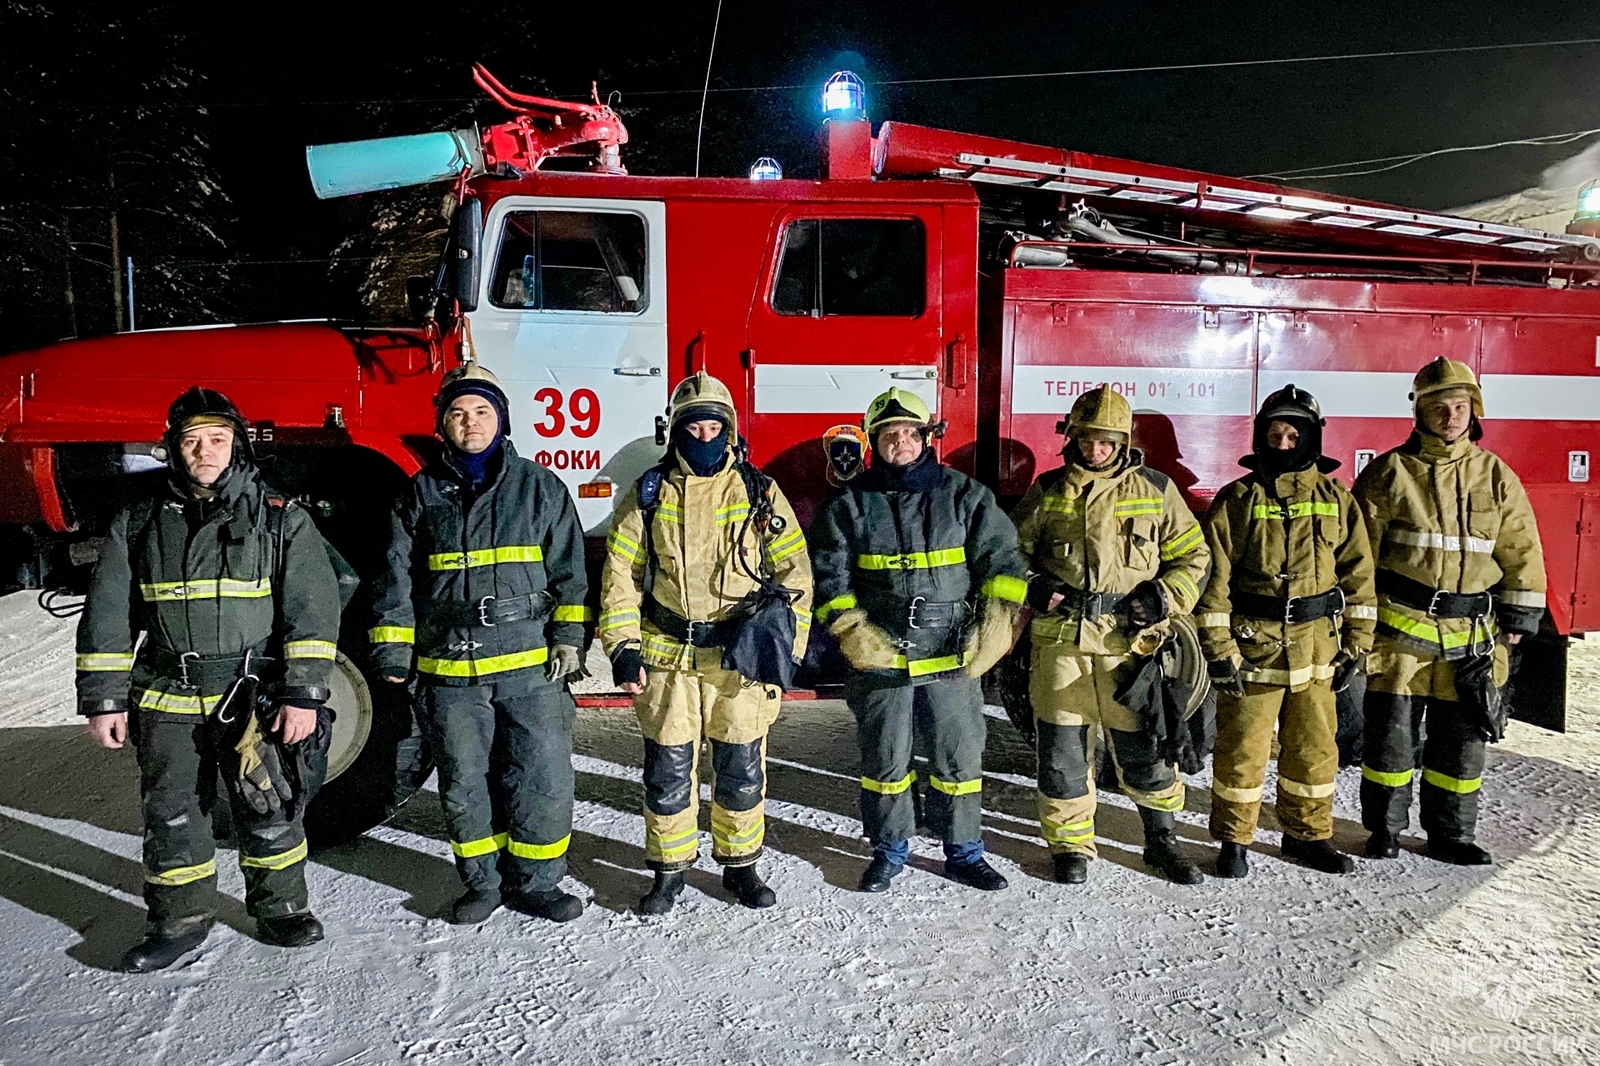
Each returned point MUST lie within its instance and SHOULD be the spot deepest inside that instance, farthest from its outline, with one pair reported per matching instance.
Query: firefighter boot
(474, 906)
(1458, 853)
(164, 945)
(976, 874)
(745, 883)
(1383, 844)
(662, 894)
(1233, 860)
(1069, 867)
(879, 872)
(290, 930)
(553, 905)
(1317, 854)
(1161, 852)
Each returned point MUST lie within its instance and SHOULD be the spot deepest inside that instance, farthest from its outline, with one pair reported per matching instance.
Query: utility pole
(116, 250)
(131, 326)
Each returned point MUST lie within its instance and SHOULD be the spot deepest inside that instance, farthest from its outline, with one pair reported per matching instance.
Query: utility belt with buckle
(492, 610)
(695, 633)
(207, 673)
(923, 613)
(1291, 610)
(1091, 605)
(1436, 603)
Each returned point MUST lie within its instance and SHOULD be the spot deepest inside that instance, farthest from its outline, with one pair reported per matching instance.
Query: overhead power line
(1394, 162)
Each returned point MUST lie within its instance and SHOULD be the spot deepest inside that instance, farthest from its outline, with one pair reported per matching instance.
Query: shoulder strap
(649, 485)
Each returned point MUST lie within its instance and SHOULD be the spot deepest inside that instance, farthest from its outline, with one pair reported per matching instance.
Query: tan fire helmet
(1103, 410)
(1443, 374)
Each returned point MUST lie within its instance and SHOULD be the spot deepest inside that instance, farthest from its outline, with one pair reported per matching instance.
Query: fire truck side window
(852, 266)
(571, 261)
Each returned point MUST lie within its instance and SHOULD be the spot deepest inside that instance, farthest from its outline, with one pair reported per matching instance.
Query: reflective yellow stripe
(511, 553)
(786, 545)
(1236, 795)
(494, 664)
(1305, 791)
(1059, 505)
(1428, 632)
(1163, 803)
(275, 862)
(1362, 611)
(735, 513)
(1291, 678)
(1413, 539)
(1520, 598)
(624, 547)
(392, 635)
(889, 788)
(1005, 587)
(1185, 585)
(471, 849)
(913, 560)
(835, 605)
(105, 662)
(1215, 620)
(1182, 544)
(923, 667)
(678, 847)
(1459, 785)
(1067, 832)
(669, 512)
(311, 649)
(750, 838)
(223, 588)
(1141, 505)
(569, 613)
(956, 788)
(617, 619)
(539, 851)
(1397, 779)
(175, 703)
(1296, 510)
(183, 875)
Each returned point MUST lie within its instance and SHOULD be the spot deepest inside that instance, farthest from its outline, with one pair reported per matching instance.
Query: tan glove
(991, 639)
(263, 782)
(565, 664)
(864, 644)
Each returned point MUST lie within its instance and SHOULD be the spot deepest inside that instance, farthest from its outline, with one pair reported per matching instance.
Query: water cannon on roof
(541, 130)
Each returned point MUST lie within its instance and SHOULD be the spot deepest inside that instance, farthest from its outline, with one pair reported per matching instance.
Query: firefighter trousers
(1307, 724)
(1411, 711)
(179, 761)
(504, 752)
(676, 710)
(949, 715)
(1073, 701)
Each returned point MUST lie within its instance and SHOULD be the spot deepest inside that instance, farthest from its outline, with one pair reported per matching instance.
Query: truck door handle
(915, 375)
(637, 371)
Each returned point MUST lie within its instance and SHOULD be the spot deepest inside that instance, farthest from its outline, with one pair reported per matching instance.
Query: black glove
(1483, 703)
(1145, 605)
(1225, 677)
(1041, 589)
(626, 662)
(1345, 667)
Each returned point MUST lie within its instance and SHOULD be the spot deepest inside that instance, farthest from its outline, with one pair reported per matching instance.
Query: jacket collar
(1434, 450)
(925, 474)
(456, 476)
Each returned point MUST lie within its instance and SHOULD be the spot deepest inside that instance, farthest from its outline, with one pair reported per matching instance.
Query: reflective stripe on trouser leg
(883, 733)
(1308, 761)
(1066, 788)
(1397, 693)
(738, 801)
(459, 721)
(177, 769)
(272, 846)
(1245, 725)
(952, 713)
(533, 784)
(1452, 774)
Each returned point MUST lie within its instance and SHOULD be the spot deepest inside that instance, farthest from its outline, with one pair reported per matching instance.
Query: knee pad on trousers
(1391, 739)
(1063, 760)
(668, 769)
(739, 777)
(1142, 767)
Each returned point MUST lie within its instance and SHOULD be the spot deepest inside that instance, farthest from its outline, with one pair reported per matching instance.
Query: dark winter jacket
(510, 555)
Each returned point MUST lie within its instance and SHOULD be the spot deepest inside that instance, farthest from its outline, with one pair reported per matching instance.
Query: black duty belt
(1091, 605)
(1438, 603)
(924, 613)
(1291, 610)
(492, 610)
(716, 634)
(210, 673)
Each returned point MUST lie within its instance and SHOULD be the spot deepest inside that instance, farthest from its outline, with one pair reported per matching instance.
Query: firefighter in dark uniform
(484, 600)
(1285, 622)
(920, 581)
(1460, 575)
(232, 587)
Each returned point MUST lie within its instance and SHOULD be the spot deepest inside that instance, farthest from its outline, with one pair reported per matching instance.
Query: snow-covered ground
(1405, 962)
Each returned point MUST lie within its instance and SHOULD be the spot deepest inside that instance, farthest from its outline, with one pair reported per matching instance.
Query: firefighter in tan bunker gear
(1114, 553)
(1285, 620)
(1460, 575)
(686, 544)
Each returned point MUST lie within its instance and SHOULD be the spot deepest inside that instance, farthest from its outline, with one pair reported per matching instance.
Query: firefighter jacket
(207, 581)
(1452, 517)
(1105, 532)
(1301, 535)
(701, 550)
(915, 551)
(480, 586)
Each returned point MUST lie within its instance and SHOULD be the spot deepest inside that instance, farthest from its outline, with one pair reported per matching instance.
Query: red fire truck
(997, 280)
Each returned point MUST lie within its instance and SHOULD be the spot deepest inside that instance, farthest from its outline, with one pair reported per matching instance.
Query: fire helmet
(1443, 374)
(896, 405)
(471, 379)
(700, 397)
(1103, 410)
(200, 406)
(1300, 409)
